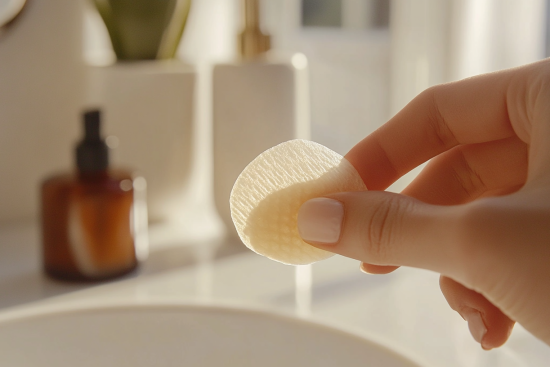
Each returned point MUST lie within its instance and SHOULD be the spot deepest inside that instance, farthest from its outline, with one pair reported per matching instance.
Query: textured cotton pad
(269, 192)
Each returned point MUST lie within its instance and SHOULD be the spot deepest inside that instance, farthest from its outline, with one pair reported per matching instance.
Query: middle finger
(467, 172)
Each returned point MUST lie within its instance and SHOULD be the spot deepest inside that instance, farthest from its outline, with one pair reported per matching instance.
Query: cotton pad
(269, 192)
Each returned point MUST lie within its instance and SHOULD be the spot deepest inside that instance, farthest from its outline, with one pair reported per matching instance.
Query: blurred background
(366, 59)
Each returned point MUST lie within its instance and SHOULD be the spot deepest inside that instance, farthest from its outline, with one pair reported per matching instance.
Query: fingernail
(475, 323)
(363, 269)
(320, 220)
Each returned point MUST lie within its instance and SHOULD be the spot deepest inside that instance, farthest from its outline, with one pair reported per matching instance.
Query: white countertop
(404, 310)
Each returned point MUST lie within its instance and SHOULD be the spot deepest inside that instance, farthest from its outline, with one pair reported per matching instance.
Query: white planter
(149, 107)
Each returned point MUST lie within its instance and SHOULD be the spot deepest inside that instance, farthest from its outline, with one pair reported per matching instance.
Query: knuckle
(469, 180)
(383, 227)
(439, 133)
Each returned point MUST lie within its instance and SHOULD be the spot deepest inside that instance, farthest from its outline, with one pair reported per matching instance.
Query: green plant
(144, 29)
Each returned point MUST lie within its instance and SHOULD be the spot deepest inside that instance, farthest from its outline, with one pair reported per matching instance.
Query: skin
(479, 213)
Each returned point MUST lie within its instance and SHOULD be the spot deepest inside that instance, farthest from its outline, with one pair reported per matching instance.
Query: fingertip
(377, 269)
(490, 328)
(488, 325)
(499, 329)
(476, 324)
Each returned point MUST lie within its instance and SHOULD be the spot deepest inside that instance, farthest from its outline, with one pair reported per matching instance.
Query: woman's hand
(479, 213)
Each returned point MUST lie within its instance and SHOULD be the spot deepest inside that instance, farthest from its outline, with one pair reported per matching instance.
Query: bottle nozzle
(92, 154)
(91, 125)
(253, 42)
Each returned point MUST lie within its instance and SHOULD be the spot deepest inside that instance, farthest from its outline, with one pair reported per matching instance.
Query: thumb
(381, 228)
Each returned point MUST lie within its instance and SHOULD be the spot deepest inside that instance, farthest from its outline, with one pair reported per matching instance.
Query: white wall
(349, 74)
(41, 84)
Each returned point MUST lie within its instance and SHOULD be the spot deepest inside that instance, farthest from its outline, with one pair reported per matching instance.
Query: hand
(478, 214)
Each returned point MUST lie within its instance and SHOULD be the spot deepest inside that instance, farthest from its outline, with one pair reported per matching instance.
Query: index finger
(469, 111)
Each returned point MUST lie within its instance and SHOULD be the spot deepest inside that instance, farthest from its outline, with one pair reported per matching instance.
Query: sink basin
(180, 335)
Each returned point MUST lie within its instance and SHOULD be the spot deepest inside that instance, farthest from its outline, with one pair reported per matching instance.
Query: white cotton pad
(269, 192)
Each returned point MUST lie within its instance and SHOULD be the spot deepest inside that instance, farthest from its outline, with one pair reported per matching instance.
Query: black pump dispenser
(92, 154)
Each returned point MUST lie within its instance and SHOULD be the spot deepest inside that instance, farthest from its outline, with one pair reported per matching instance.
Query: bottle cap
(252, 41)
(92, 154)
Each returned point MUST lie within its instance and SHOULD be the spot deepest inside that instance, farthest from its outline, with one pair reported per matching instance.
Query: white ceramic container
(257, 105)
(181, 335)
(149, 107)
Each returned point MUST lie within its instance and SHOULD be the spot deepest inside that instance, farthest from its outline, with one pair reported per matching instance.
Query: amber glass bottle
(87, 217)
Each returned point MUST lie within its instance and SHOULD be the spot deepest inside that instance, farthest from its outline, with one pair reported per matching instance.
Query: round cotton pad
(269, 192)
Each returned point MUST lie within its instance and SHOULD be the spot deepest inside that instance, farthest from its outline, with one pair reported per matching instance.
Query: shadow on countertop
(22, 280)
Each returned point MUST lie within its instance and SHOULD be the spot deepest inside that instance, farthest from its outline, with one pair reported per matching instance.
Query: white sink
(180, 335)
